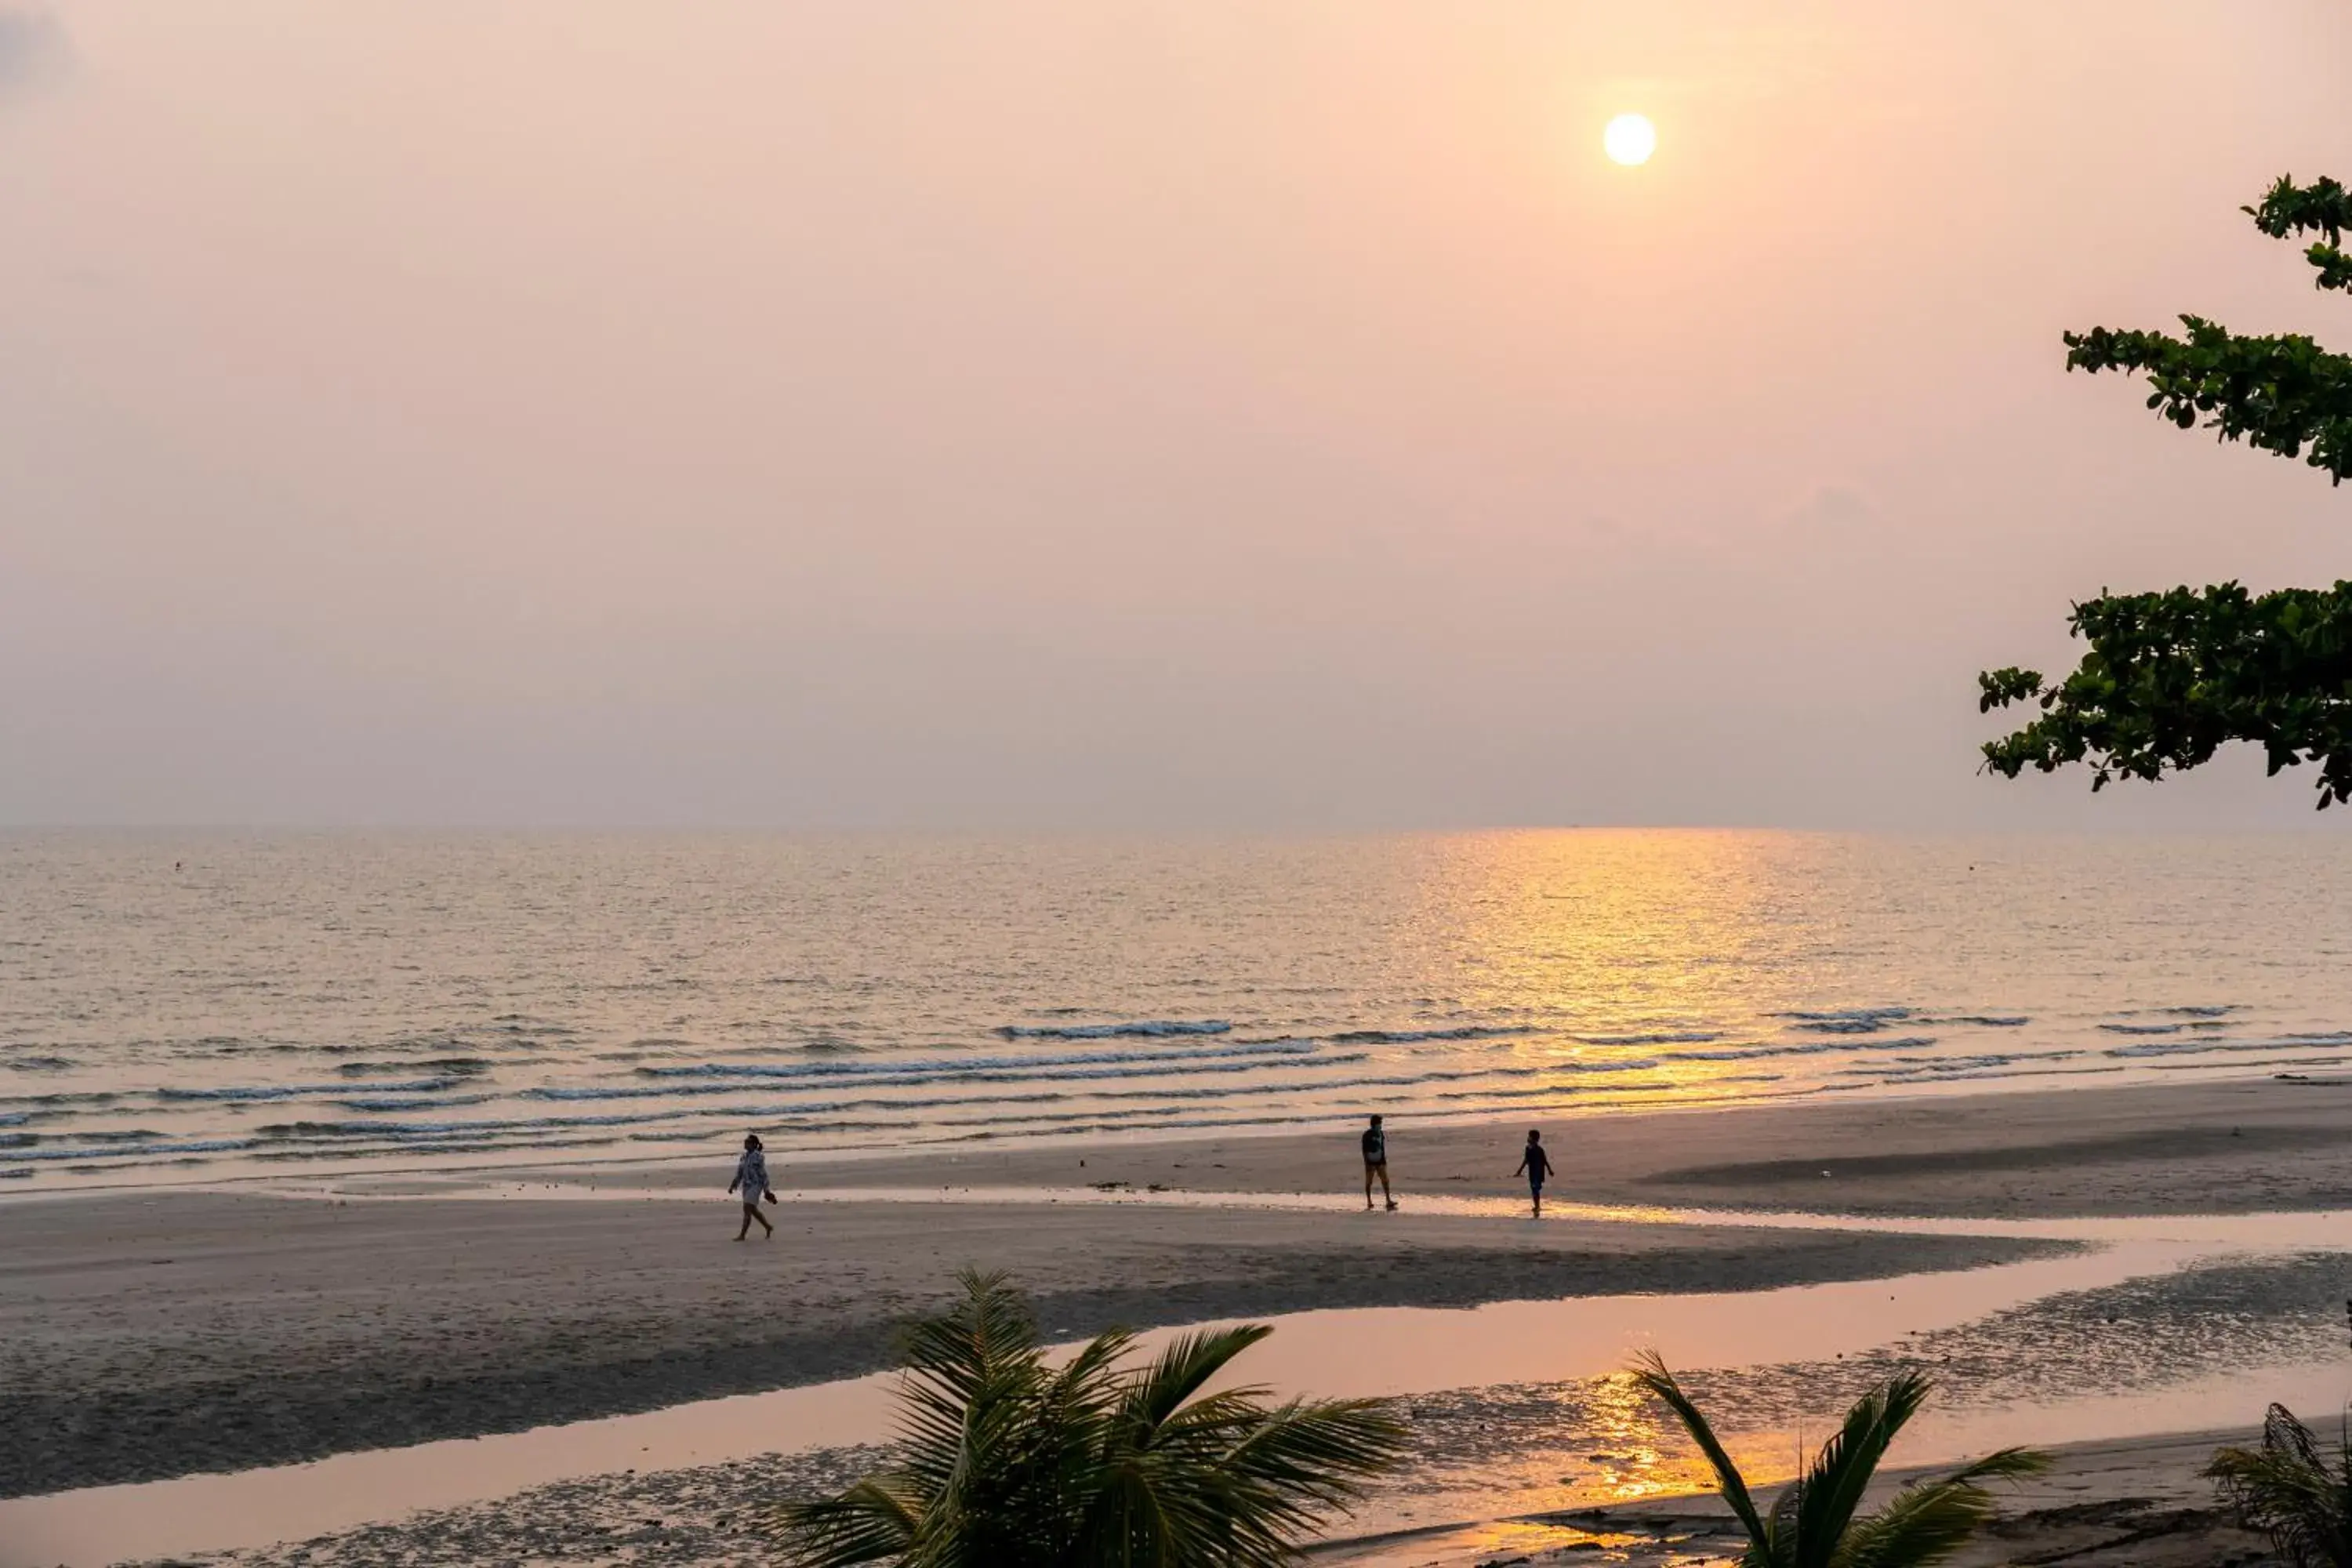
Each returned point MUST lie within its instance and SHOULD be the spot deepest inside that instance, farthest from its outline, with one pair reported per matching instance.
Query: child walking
(1538, 1166)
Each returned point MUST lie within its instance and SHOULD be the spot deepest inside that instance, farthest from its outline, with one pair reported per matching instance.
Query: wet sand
(2072, 1348)
(2135, 1503)
(148, 1335)
(2131, 1503)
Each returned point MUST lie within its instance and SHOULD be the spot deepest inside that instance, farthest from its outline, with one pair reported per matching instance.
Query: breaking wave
(298, 1090)
(1848, 1020)
(1148, 1028)
(1408, 1037)
(1686, 1036)
(900, 1067)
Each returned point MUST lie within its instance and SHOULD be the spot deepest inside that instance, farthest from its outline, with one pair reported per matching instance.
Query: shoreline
(2288, 1112)
(2210, 1146)
(150, 1334)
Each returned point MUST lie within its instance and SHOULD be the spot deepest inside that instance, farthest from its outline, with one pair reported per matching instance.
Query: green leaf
(1006, 1463)
(2171, 678)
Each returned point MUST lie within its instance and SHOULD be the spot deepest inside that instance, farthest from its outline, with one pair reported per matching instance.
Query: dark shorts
(1535, 1182)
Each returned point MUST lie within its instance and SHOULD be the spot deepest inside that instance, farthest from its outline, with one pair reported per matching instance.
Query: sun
(1629, 139)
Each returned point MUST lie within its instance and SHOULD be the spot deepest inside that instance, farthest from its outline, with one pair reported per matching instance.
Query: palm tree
(2289, 1491)
(1814, 1523)
(1007, 1462)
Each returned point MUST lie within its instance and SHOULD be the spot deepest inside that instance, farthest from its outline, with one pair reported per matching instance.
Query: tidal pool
(2161, 1324)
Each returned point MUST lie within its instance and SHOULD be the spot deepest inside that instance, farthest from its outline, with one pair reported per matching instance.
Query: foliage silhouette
(1009, 1462)
(1816, 1521)
(2172, 677)
(2292, 1492)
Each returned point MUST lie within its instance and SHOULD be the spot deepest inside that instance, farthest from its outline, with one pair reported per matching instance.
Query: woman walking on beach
(752, 1180)
(1538, 1166)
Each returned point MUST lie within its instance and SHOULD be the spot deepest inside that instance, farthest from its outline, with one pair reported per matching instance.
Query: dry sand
(2204, 1147)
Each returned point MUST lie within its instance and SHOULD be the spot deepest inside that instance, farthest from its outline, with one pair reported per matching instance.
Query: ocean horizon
(189, 1006)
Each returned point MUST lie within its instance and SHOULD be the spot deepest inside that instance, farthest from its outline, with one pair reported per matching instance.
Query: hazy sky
(1205, 414)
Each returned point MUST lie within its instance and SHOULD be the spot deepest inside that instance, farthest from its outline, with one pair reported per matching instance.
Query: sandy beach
(1045, 612)
(144, 1335)
(149, 1336)
(2198, 1147)
(2137, 1503)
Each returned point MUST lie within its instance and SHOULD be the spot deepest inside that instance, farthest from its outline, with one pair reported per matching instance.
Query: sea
(181, 1007)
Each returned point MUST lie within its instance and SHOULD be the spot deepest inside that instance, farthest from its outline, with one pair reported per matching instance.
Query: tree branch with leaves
(2172, 677)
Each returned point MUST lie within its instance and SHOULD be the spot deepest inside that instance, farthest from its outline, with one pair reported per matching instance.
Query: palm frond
(1322, 1450)
(1813, 1522)
(1005, 1462)
(1651, 1373)
(1240, 1484)
(2287, 1489)
(873, 1521)
(987, 1331)
(971, 1372)
(1924, 1523)
(1834, 1482)
(2004, 1465)
(1182, 1370)
(1095, 1366)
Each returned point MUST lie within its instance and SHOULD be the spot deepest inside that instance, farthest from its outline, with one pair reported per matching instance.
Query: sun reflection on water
(1636, 942)
(1628, 1458)
(1607, 1444)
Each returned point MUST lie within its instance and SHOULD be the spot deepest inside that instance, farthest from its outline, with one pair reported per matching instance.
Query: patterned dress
(751, 1175)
